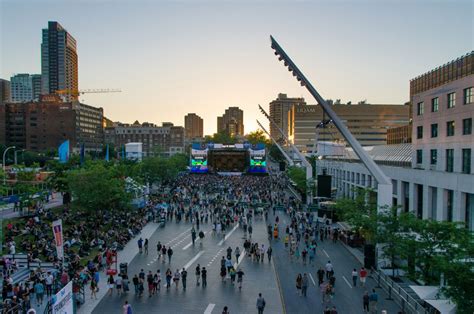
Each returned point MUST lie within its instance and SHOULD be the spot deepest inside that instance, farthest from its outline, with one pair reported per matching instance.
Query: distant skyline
(175, 57)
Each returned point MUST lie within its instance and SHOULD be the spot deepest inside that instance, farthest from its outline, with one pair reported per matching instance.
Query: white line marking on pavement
(190, 243)
(228, 235)
(325, 252)
(350, 286)
(178, 236)
(209, 308)
(312, 279)
(193, 259)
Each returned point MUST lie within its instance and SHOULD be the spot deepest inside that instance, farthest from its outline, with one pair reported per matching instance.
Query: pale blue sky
(175, 57)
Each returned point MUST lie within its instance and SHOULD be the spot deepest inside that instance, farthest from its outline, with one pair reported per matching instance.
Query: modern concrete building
(399, 135)
(278, 110)
(231, 122)
(59, 65)
(5, 91)
(432, 177)
(194, 126)
(25, 87)
(368, 123)
(167, 139)
(45, 124)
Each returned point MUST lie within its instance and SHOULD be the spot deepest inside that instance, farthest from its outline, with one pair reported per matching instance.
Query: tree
(96, 187)
(221, 137)
(298, 176)
(256, 137)
(275, 153)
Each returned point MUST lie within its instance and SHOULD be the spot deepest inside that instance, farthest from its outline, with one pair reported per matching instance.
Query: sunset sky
(174, 57)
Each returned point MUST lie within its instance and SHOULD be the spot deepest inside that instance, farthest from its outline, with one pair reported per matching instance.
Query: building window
(420, 108)
(433, 156)
(466, 160)
(449, 160)
(419, 131)
(449, 204)
(467, 126)
(434, 130)
(451, 100)
(419, 156)
(450, 128)
(434, 104)
(468, 95)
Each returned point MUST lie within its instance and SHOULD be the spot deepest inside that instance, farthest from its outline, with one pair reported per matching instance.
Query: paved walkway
(7, 211)
(124, 256)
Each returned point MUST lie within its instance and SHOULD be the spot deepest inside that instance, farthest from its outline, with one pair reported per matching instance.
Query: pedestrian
(184, 275)
(140, 245)
(260, 304)
(228, 264)
(269, 253)
(135, 281)
(237, 254)
(229, 253)
(299, 282)
(158, 249)
(232, 274)
(354, 277)
(204, 277)
(198, 274)
(169, 275)
(363, 276)
(320, 273)
(146, 246)
(118, 285)
(157, 280)
(329, 269)
(225, 310)
(170, 253)
(223, 273)
(151, 286)
(373, 299)
(39, 292)
(240, 276)
(327, 310)
(49, 284)
(304, 284)
(333, 310)
(365, 302)
(329, 292)
(176, 278)
(163, 252)
(193, 235)
(93, 287)
(127, 308)
(110, 284)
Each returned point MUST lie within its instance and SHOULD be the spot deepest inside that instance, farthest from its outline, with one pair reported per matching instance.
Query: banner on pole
(58, 237)
(63, 152)
(63, 301)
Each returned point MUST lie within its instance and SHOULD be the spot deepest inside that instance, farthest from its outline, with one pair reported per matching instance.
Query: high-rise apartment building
(231, 122)
(45, 124)
(25, 87)
(59, 67)
(194, 126)
(5, 91)
(279, 109)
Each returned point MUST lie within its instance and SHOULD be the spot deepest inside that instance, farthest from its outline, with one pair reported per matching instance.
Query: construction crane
(76, 93)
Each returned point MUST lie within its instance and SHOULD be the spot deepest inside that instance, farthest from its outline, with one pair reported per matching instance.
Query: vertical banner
(63, 152)
(58, 237)
(63, 301)
(107, 153)
(83, 154)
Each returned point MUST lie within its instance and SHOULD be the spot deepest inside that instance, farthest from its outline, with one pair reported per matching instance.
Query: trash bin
(123, 268)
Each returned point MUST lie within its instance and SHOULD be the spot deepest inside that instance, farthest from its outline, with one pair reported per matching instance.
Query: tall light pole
(4, 155)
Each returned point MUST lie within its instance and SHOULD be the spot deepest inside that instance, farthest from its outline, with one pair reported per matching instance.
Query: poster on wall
(63, 301)
(58, 237)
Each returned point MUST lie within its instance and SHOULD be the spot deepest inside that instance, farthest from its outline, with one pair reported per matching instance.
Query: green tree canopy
(257, 137)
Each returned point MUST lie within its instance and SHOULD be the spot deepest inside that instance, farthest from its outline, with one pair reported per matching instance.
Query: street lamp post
(4, 155)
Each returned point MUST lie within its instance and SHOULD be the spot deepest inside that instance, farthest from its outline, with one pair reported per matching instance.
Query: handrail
(395, 292)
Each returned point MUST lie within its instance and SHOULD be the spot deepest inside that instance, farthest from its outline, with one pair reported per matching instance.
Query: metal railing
(395, 292)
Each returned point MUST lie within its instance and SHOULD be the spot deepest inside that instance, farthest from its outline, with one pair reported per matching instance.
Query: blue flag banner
(63, 152)
(107, 153)
(82, 153)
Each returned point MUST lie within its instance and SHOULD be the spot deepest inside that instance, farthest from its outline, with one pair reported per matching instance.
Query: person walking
(373, 300)
(232, 274)
(169, 275)
(365, 301)
(135, 281)
(184, 275)
(269, 254)
(127, 308)
(237, 254)
(225, 310)
(354, 277)
(93, 287)
(110, 284)
(329, 269)
(260, 303)
(223, 273)
(158, 249)
(320, 273)
(240, 277)
(198, 274)
(176, 278)
(299, 282)
(304, 284)
(140, 245)
(170, 253)
(193, 235)
(363, 276)
(204, 277)
(39, 292)
(151, 286)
